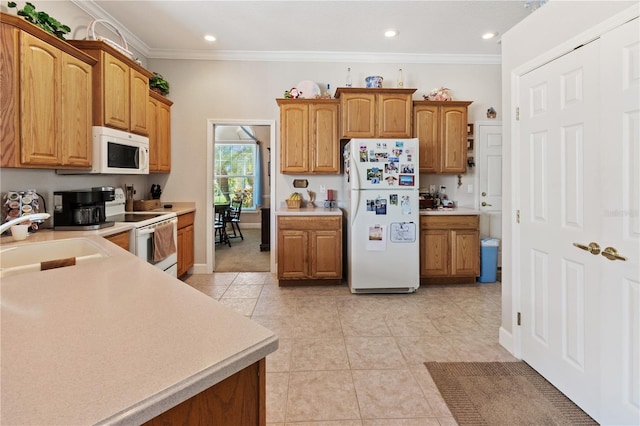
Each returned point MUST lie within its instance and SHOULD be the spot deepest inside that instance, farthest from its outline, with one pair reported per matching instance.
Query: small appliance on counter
(81, 210)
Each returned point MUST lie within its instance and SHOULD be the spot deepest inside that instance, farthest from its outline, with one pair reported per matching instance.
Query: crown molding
(135, 43)
(308, 56)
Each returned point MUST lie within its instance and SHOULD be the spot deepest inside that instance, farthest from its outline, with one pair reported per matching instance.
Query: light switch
(470, 188)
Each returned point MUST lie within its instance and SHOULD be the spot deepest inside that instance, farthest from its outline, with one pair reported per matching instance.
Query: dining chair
(234, 219)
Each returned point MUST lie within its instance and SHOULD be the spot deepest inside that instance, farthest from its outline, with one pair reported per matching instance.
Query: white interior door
(559, 206)
(620, 174)
(489, 149)
(580, 183)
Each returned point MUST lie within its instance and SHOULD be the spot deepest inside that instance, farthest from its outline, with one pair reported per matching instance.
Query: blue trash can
(488, 260)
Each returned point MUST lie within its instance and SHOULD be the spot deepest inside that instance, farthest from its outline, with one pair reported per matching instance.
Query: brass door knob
(612, 254)
(484, 194)
(485, 204)
(592, 248)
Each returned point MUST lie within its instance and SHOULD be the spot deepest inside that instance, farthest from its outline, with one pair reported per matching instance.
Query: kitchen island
(117, 341)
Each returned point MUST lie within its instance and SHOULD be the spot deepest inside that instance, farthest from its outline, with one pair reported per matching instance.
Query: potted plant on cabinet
(41, 19)
(159, 84)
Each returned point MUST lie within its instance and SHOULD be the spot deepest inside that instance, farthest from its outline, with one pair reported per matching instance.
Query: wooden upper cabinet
(358, 116)
(309, 142)
(159, 123)
(76, 106)
(139, 94)
(120, 90)
(41, 91)
(394, 115)
(375, 113)
(441, 128)
(324, 142)
(116, 93)
(45, 100)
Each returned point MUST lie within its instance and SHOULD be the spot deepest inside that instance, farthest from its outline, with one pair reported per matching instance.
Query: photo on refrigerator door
(377, 238)
(374, 175)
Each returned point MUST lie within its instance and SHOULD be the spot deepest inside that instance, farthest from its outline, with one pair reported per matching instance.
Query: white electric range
(141, 237)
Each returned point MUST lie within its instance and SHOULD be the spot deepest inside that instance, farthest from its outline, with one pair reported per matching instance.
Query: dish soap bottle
(348, 82)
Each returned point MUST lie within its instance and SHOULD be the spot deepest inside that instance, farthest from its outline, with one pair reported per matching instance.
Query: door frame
(211, 125)
(513, 341)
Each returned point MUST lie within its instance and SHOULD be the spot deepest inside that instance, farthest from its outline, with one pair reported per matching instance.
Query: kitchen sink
(22, 258)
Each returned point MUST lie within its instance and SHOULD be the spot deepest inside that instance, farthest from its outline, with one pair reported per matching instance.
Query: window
(235, 172)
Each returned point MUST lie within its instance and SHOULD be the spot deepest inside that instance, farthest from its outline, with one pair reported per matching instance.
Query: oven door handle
(151, 230)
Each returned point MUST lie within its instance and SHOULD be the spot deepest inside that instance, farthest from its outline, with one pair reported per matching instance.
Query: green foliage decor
(158, 82)
(42, 20)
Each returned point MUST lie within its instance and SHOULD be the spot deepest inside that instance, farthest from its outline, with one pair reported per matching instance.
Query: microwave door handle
(144, 153)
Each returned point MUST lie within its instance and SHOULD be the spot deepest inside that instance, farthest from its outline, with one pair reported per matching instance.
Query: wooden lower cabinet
(120, 239)
(237, 400)
(185, 242)
(309, 250)
(449, 249)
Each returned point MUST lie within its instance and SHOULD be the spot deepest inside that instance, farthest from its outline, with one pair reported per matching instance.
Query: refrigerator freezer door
(384, 243)
(384, 163)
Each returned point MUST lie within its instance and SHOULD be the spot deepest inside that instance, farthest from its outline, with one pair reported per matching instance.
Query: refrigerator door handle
(355, 205)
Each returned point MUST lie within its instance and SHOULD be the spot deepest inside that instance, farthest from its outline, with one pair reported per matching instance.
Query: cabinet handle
(612, 254)
(592, 248)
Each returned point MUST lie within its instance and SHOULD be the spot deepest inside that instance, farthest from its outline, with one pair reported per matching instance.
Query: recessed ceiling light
(391, 33)
(209, 38)
(488, 36)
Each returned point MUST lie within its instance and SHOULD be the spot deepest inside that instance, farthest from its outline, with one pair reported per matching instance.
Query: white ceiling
(430, 31)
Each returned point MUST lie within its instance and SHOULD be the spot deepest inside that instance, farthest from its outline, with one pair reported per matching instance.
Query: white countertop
(283, 210)
(456, 211)
(115, 341)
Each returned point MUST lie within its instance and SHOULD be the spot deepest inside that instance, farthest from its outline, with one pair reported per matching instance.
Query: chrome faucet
(36, 216)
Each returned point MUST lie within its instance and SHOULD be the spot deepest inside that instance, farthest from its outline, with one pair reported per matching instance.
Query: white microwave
(117, 152)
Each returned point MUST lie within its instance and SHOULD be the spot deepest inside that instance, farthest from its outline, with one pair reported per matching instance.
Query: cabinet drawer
(450, 222)
(309, 222)
(185, 220)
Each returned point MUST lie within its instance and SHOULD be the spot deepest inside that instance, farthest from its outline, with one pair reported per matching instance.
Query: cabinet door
(164, 137)
(465, 253)
(77, 146)
(188, 251)
(139, 92)
(41, 91)
(358, 115)
(294, 138)
(425, 128)
(453, 134)
(435, 253)
(325, 145)
(152, 122)
(181, 247)
(394, 115)
(293, 248)
(116, 96)
(325, 253)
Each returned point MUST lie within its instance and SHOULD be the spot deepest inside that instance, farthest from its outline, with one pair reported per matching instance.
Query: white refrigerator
(382, 215)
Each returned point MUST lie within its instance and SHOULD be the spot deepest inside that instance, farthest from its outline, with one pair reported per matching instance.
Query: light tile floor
(347, 360)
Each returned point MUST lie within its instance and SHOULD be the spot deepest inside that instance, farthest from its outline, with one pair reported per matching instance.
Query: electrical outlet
(432, 189)
(323, 189)
(470, 188)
